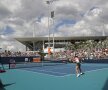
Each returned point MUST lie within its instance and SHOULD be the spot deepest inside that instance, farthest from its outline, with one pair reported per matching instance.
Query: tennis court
(59, 77)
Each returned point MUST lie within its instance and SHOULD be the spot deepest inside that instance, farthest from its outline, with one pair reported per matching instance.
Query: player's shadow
(2, 86)
(105, 87)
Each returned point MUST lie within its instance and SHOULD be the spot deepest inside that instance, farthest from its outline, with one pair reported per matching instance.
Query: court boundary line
(48, 71)
(52, 68)
(51, 71)
(64, 73)
(86, 71)
(41, 73)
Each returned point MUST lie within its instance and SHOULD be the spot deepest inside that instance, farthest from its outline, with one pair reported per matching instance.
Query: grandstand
(39, 43)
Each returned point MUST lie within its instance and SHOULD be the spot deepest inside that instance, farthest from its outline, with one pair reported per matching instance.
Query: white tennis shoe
(78, 75)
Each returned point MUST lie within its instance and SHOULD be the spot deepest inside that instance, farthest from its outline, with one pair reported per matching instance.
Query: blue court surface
(60, 77)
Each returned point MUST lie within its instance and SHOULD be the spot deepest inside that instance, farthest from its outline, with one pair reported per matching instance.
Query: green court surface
(16, 79)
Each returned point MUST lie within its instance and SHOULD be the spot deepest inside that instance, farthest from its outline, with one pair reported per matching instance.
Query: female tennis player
(78, 66)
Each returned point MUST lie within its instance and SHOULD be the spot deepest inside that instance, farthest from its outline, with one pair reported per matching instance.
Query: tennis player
(78, 66)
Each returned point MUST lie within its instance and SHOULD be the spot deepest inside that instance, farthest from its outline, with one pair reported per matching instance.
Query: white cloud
(90, 17)
(12, 5)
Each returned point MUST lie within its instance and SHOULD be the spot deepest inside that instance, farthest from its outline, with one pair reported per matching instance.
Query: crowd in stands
(7, 53)
(69, 54)
(84, 54)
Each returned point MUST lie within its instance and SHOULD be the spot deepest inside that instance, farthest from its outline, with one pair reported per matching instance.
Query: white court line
(96, 70)
(86, 71)
(62, 73)
(52, 68)
(50, 71)
(40, 73)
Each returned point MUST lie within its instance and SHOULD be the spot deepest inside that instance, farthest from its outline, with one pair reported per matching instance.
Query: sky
(20, 18)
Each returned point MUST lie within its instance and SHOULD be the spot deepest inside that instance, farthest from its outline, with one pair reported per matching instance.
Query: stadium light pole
(34, 29)
(53, 37)
(103, 33)
(52, 16)
(34, 35)
(102, 27)
(48, 3)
